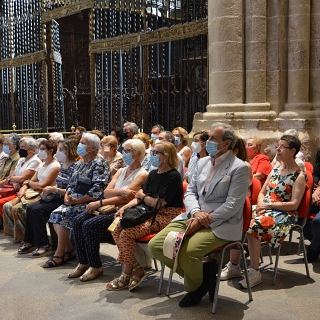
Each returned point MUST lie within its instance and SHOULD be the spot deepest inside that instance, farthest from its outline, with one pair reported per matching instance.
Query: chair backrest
(247, 214)
(255, 190)
(184, 187)
(308, 166)
(304, 205)
(310, 179)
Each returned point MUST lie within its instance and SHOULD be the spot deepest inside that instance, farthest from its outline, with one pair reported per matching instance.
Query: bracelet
(57, 191)
(101, 203)
(142, 199)
(28, 183)
(8, 179)
(270, 205)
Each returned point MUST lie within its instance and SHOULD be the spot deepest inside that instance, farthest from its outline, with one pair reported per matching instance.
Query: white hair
(137, 145)
(93, 140)
(291, 132)
(56, 136)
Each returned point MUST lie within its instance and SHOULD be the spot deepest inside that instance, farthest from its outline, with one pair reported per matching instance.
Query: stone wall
(264, 69)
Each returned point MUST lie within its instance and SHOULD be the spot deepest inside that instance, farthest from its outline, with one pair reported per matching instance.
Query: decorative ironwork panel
(118, 88)
(58, 97)
(5, 99)
(5, 29)
(29, 96)
(166, 83)
(26, 26)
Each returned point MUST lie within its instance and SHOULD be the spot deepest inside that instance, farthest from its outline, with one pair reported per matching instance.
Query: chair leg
(290, 240)
(243, 257)
(270, 255)
(155, 264)
(261, 257)
(216, 291)
(169, 283)
(275, 269)
(304, 254)
(161, 278)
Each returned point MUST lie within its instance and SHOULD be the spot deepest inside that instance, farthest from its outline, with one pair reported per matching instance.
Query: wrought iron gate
(150, 62)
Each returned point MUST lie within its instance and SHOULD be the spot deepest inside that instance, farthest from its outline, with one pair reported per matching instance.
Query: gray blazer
(226, 195)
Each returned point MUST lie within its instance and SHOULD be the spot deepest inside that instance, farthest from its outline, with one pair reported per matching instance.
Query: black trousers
(87, 230)
(37, 216)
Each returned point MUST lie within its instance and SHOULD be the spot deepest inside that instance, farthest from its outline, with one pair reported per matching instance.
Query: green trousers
(193, 249)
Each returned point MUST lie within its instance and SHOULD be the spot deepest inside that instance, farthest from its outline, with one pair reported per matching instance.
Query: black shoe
(193, 298)
(312, 256)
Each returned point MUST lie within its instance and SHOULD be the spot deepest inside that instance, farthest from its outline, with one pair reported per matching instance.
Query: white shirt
(31, 164)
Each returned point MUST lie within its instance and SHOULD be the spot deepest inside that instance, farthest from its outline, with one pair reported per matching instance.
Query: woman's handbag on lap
(30, 193)
(138, 214)
(7, 190)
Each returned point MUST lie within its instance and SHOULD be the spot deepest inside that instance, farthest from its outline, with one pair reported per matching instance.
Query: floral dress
(98, 171)
(273, 225)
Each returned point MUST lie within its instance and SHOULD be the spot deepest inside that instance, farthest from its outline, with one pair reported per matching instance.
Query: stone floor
(28, 291)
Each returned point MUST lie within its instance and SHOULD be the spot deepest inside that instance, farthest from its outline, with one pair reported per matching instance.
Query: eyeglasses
(43, 149)
(155, 152)
(281, 147)
(128, 150)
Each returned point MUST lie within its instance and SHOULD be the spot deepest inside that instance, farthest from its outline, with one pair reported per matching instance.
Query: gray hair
(169, 136)
(30, 142)
(133, 127)
(228, 133)
(14, 139)
(93, 140)
(56, 136)
(137, 145)
(291, 132)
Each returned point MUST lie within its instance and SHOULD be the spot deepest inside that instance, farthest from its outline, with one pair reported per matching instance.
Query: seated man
(261, 166)
(214, 205)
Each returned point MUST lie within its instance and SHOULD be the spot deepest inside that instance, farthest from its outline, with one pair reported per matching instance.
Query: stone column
(315, 55)
(298, 55)
(256, 56)
(225, 46)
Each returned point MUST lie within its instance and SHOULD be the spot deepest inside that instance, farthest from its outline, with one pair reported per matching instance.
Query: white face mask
(61, 156)
(42, 155)
(196, 147)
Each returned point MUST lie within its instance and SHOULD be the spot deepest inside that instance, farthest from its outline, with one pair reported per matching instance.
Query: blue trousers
(87, 230)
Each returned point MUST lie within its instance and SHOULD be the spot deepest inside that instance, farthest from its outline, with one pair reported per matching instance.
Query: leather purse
(107, 209)
(7, 190)
(31, 193)
(136, 215)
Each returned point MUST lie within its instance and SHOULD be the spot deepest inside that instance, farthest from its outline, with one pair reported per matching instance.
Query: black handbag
(138, 214)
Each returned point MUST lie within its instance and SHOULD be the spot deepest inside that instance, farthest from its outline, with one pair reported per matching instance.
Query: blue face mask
(82, 150)
(127, 158)
(176, 141)
(6, 149)
(212, 147)
(154, 160)
(154, 137)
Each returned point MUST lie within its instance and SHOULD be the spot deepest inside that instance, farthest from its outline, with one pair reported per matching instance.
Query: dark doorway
(74, 44)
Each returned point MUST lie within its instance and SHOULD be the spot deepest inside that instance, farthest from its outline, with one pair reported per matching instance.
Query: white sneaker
(254, 278)
(230, 271)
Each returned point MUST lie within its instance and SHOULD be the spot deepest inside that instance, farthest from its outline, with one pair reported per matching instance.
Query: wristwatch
(28, 184)
(8, 179)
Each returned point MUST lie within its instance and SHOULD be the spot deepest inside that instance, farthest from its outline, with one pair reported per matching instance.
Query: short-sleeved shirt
(3, 157)
(43, 171)
(167, 186)
(31, 164)
(116, 162)
(261, 163)
(9, 165)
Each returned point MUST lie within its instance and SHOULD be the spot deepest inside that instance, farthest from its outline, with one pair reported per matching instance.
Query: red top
(261, 163)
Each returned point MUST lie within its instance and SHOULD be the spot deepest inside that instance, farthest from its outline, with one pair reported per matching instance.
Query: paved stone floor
(28, 291)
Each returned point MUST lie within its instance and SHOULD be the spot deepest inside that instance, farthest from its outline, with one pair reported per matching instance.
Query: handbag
(138, 214)
(7, 190)
(50, 197)
(107, 209)
(30, 193)
(83, 185)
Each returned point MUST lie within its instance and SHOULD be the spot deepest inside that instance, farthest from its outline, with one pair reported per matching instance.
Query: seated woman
(14, 210)
(88, 228)
(38, 212)
(147, 143)
(109, 146)
(276, 209)
(199, 147)
(181, 141)
(25, 169)
(164, 182)
(90, 177)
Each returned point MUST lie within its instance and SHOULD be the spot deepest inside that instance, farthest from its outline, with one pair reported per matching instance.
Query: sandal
(25, 249)
(78, 271)
(47, 252)
(51, 263)
(91, 273)
(70, 255)
(135, 280)
(119, 283)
